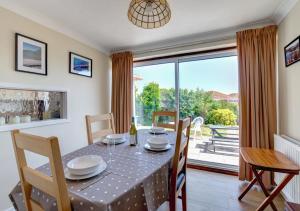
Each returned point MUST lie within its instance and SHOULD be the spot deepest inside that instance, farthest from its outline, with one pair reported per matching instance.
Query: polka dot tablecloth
(131, 181)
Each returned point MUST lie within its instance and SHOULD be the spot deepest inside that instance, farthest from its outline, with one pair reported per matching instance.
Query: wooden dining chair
(157, 114)
(54, 185)
(100, 133)
(178, 174)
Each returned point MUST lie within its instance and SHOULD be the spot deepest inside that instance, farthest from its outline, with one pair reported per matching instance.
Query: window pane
(208, 84)
(154, 90)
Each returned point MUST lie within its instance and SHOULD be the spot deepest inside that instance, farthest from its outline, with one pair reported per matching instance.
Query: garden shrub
(221, 117)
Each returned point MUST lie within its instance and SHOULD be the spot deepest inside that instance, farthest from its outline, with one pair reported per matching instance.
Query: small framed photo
(80, 65)
(31, 55)
(292, 52)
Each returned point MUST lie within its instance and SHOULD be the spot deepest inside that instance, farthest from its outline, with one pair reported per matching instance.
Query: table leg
(258, 177)
(213, 132)
(275, 192)
(249, 186)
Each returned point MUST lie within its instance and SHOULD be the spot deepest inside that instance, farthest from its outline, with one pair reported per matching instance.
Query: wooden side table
(262, 160)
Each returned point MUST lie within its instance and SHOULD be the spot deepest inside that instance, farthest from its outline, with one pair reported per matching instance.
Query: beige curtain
(257, 86)
(121, 106)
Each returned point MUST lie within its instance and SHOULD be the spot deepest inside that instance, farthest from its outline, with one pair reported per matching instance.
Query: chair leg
(183, 198)
(172, 203)
(201, 133)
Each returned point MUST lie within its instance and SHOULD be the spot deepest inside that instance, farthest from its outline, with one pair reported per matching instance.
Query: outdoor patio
(222, 153)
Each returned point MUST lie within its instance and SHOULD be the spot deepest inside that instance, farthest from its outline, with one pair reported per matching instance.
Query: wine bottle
(133, 133)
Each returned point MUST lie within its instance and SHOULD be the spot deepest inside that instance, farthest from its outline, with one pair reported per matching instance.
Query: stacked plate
(157, 143)
(114, 139)
(158, 130)
(85, 167)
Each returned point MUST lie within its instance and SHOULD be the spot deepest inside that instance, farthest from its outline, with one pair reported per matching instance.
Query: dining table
(132, 181)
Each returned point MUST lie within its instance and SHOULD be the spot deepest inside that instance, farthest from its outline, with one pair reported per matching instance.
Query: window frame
(181, 58)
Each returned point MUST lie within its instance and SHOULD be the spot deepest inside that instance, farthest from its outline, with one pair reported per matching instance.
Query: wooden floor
(212, 191)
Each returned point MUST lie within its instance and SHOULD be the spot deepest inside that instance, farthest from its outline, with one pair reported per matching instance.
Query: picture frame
(30, 55)
(292, 52)
(80, 65)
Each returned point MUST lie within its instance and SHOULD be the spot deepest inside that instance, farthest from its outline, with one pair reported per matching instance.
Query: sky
(218, 74)
(28, 46)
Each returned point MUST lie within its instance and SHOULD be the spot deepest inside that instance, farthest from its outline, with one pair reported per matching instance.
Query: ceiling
(103, 24)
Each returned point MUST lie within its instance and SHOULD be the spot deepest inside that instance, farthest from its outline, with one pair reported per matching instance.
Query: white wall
(289, 78)
(87, 95)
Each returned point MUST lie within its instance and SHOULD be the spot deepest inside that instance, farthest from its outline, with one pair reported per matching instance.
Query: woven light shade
(149, 14)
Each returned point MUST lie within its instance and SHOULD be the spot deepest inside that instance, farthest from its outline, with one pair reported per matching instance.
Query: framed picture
(292, 52)
(31, 55)
(80, 65)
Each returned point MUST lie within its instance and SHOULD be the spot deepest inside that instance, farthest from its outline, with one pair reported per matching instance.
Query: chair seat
(165, 206)
(179, 180)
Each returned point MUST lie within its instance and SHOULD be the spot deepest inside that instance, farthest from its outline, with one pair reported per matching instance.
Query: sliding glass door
(202, 86)
(208, 91)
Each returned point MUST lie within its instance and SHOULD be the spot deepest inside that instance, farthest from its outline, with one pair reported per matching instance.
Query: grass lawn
(205, 131)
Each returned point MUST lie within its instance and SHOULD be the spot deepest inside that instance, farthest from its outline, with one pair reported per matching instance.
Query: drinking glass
(140, 145)
(111, 145)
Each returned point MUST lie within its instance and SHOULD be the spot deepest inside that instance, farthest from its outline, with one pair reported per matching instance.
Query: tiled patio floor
(222, 152)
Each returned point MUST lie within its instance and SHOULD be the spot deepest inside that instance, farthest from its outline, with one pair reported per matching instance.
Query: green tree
(203, 103)
(150, 98)
(186, 102)
(221, 117)
(192, 103)
(138, 105)
(167, 99)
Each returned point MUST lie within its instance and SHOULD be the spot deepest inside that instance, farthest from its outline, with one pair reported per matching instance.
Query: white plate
(115, 136)
(158, 133)
(111, 141)
(70, 176)
(86, 164)
(148, 147)
(158, 146)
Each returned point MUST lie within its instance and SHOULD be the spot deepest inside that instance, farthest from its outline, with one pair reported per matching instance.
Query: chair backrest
(54, 185)
(100, 133)
(157, 114)
(179, 160)
(198, 121)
